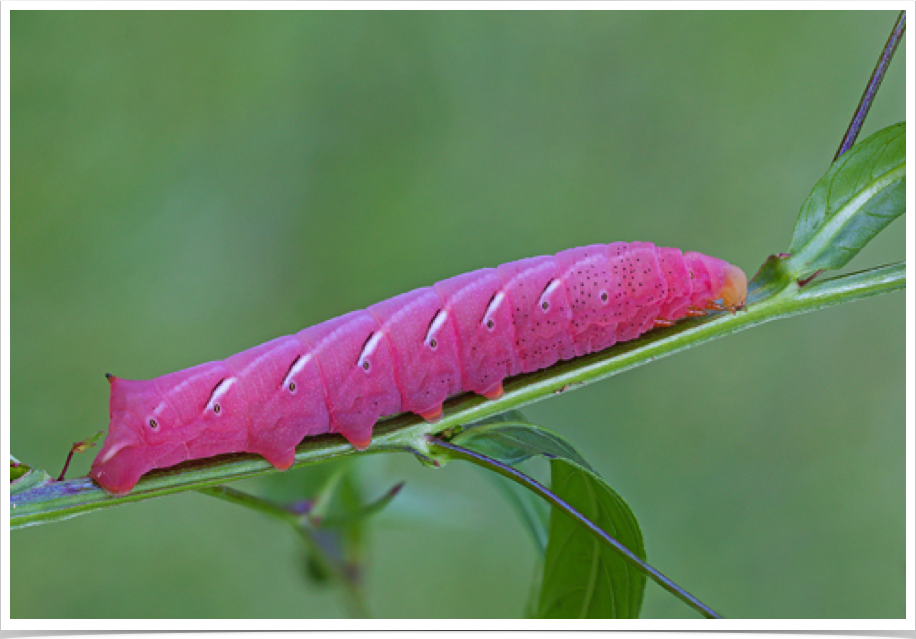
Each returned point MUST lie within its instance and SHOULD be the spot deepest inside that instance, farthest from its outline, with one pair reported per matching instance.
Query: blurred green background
(186, 185)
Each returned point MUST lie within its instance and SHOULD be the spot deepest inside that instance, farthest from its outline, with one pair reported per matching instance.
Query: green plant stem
(264, 506)
(546, 494)
(772, 296)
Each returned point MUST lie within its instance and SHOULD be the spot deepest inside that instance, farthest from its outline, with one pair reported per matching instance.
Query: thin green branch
(546, 494)
(263, 506)
(773, 296)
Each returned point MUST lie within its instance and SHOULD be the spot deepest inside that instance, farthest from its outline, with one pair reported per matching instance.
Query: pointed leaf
(861, 193)
(584, 578)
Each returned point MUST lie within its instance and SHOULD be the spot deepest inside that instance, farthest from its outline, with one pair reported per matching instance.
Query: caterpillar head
(734, 287)
(714, 279)
(150, 423)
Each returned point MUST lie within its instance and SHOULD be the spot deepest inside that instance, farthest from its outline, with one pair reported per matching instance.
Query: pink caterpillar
(408, 353)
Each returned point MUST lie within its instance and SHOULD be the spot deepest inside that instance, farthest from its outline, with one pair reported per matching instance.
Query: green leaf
(584, 578)
(861, 193)
(438, 445)
(583, 575)
(511, 439)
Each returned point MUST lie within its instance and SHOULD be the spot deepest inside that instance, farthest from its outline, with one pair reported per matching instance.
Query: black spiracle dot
(292, 387)
(153, 423)
(545, 305)
(490, 324)
(433, 343)
(216, 408)
(366, 365)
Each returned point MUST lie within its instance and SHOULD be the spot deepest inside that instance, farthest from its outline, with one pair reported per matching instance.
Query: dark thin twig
(873, 85)
(542, 491)
(63, 471)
